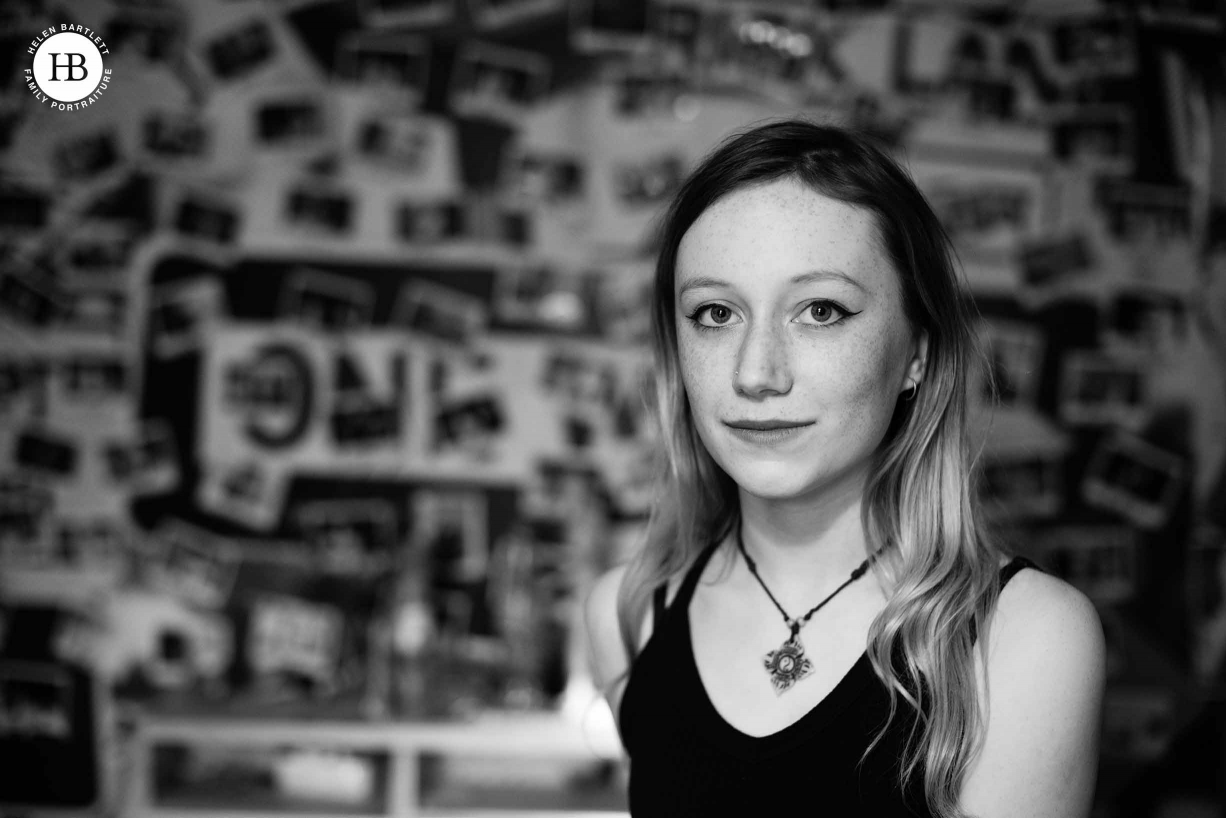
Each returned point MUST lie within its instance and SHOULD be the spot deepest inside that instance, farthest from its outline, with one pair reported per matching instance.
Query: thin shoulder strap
(1010, 570)
(659, 604)
(1007, 572)
(659, 599)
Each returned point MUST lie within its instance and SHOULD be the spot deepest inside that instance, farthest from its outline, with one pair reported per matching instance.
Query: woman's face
(789, 313)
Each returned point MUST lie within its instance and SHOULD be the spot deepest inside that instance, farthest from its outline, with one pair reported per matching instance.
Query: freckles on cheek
(691, 365)
(872, 392)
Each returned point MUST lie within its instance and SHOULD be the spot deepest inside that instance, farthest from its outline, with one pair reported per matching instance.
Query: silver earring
(910, 395)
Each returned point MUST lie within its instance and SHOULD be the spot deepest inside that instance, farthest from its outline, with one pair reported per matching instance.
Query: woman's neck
(795, 543)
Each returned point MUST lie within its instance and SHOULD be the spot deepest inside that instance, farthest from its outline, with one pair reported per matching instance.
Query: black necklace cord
(796, 624)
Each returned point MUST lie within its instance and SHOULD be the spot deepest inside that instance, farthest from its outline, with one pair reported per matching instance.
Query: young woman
(816, 622)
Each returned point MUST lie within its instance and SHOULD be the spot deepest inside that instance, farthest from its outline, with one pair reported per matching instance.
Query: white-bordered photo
(471, 425)
(1135, 479)
(290, 121)
(26, 507)
(208, 217)
(388, 61)
(348, 535)
(776, 51)
(541, 295)
(180, 314)
(1023, 487)
(193, 564)
(24, 380)
(427, 223)
(1015, 351)
(46, 689)
(47, 452)
(23, 209)
(497, 81)
(990, 209)
(95, 543)
(577, 377)
(149, 463)
(85, 377)
(296, 636)
(556, 489)
(550, 178)
(1093, 44)
(240, 50)
(439, 312)
(81, 156)
(1136, 210)
(610, 25)
(316, 208)
(649, 94)
(176, 135)
(510, 226)
(496, 15)
(407, 14)
(97, 255)
(101, 310)
(398, 141)
(1100, 560)
(247, 493)
(1100, 389)
(451, 527)
(676, 32)
(1138, 721)
(1145, 321)
(317, 298)
(1054, 260)
(30, 302)
(1101, 136)
(154, 31)
(648, 182)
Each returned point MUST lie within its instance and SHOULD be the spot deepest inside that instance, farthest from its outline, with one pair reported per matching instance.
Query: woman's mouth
(764, 432)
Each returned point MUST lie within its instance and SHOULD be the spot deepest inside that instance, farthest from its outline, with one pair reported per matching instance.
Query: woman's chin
(783, 481)
(774, 484)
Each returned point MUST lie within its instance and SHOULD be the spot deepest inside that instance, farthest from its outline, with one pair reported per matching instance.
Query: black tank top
(686, 760)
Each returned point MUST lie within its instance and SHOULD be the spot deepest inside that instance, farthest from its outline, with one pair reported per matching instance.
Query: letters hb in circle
(72, 66)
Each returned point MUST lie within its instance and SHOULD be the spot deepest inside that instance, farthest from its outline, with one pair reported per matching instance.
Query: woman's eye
(825, 313)
(716, 315)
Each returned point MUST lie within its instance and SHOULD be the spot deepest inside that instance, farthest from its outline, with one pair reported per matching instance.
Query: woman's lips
(767, 432)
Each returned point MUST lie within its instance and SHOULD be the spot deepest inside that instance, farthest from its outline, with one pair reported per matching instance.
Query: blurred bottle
(412, 633)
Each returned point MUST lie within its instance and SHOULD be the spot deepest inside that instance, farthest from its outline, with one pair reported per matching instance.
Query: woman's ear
(918, 364)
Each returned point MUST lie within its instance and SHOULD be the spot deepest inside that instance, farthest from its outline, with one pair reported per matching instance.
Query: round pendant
(787, 665)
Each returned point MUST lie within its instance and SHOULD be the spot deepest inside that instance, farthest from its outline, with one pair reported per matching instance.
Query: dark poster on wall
(49, 738)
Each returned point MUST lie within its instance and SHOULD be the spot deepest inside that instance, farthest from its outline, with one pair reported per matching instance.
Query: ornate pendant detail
(788, 665)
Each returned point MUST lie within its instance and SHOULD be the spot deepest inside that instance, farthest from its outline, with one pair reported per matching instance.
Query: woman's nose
(763, 366)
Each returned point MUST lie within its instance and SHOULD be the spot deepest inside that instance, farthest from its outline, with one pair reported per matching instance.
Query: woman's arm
(606, 652)
(1046, 668)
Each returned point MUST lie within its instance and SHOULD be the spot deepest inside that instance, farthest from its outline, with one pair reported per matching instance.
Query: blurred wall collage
(324, 339)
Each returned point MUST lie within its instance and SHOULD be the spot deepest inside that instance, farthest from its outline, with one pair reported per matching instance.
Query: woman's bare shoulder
(1036, 607)
(609, 657)
(607, 652)
(1045, 671)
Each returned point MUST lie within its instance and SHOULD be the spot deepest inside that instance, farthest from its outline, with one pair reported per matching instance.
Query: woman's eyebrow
(827, 275)
(701, 282)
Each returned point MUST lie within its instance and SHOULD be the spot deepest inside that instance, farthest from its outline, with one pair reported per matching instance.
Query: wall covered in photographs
(324, 330)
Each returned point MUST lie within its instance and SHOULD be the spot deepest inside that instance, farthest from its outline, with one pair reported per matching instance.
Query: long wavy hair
(936, 562)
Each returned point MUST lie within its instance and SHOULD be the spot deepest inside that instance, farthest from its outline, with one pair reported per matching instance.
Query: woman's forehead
(772, 234)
